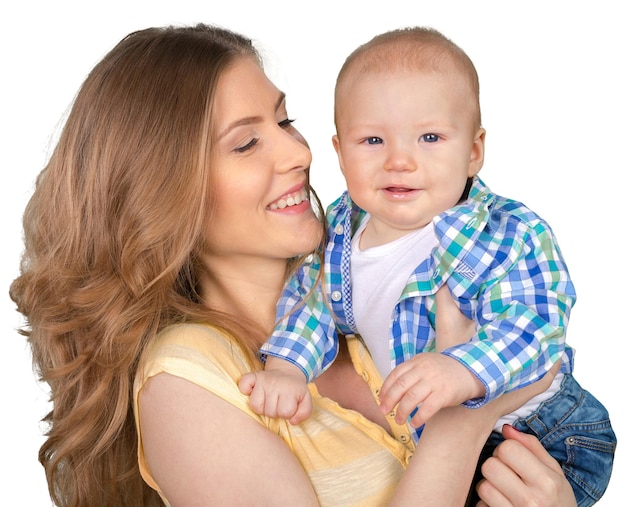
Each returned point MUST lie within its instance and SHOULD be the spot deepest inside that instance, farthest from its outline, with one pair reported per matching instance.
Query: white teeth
(292, 200)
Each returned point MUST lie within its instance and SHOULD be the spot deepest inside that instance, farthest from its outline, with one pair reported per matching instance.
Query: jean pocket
(588, 463)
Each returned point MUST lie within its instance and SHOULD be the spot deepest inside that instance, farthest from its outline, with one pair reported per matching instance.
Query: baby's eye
(430, 138)
(248, 146)
(373, 140)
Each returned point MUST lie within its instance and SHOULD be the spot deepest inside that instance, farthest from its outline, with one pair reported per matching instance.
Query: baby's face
(407, 142)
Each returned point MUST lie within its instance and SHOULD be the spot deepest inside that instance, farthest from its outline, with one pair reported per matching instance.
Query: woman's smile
(291, 199)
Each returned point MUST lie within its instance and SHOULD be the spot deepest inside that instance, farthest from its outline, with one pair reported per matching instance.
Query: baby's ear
(337, 147)
(336, 143)
(477, 155)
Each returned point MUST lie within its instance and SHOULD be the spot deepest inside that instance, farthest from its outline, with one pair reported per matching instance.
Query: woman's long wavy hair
(113, 236)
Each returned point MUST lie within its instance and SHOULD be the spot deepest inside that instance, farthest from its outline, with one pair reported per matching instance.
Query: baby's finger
(247, 382)
(430, 405)
(258, 402)
(414, 398)
(286, 406)
(303, 411)
(391, 393)
(388, 383)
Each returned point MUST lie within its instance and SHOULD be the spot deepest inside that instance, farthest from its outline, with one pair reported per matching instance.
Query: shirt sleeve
(305, 334)
(521, 318)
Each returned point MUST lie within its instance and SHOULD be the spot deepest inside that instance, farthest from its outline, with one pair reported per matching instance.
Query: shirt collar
(457, 231)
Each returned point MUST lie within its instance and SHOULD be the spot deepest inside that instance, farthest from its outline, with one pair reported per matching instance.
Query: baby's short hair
(420, 49)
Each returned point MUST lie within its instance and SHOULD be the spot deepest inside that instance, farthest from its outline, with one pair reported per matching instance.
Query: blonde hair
(113, 236)
(420, 49)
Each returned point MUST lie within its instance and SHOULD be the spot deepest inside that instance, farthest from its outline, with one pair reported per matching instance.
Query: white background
(552, 83)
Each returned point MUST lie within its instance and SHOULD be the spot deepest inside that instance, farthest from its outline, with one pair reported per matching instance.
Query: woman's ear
(477, 155)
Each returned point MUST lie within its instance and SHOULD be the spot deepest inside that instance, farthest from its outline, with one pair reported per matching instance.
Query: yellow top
(349, 459)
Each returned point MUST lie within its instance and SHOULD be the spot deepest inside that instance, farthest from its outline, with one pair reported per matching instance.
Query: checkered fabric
(503, 267)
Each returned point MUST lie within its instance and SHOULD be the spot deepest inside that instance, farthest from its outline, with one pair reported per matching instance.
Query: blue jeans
(574, 427)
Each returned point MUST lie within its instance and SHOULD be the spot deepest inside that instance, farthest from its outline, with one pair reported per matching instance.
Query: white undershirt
(379, 275)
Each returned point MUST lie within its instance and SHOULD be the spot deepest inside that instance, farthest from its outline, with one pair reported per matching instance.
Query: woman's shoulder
(200, 353)
(195, 339)
(197, 336)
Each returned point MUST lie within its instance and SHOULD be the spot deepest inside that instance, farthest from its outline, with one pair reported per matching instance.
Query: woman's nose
(293, 151)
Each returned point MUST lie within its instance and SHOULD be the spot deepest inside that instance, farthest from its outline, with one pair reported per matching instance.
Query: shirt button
(404, 438)
(365, 376)
(335, 296)
(338, 229)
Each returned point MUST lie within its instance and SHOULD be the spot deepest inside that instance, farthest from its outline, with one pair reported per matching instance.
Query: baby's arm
(521, 316)
(430, 380)
(279, 391)
(302, 345)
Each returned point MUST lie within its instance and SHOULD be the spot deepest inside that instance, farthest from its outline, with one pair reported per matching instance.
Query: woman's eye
(430, 138)
(373, 140)
(248, 146)
(285, 123)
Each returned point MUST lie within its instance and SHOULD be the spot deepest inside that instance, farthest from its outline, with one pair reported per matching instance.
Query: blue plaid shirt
(503, 267)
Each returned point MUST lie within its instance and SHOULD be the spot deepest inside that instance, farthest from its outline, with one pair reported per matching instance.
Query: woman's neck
(246, 288)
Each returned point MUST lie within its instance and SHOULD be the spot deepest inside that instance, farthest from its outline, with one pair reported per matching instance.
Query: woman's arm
(203, 451)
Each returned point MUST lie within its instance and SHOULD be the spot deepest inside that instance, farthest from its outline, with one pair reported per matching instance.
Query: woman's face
(259, 172)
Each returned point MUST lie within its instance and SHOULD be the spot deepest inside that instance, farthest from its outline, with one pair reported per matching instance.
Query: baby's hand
(430, 381)
(279, 391)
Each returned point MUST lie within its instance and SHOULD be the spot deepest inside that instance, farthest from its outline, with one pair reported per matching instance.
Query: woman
(157, 242)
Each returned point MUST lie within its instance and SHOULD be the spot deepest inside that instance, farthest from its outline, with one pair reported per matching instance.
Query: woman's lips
(290, 199)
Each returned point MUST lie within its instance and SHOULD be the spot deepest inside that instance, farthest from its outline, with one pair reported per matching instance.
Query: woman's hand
(520, 473)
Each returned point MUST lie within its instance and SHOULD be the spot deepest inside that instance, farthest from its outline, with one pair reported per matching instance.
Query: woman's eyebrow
(248, 120)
